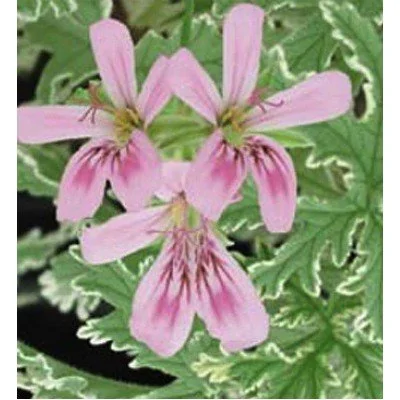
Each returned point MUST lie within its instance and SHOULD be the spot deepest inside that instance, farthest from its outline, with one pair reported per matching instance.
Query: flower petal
(322, 97)
(155, 91)
(242, 49)
(173, 179)
(215, 176)
(43, 124)
(193, 85)
(114, 53)
(123, 234)
(275, 177)
(163, 309)
(226, 299)
(82, 185)
(136, 172)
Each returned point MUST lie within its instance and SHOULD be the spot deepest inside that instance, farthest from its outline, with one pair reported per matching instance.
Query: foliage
(60, 27)
(47, 378)
(358, 143)
(322, 283)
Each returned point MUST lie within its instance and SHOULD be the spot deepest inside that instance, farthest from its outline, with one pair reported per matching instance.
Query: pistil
(231, 123)
(125, 121)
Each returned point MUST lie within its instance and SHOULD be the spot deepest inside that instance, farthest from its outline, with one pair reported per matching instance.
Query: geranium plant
(213, 174)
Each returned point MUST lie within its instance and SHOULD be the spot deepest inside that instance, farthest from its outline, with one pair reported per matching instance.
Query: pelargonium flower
(223, 162)
(193, 273)
(119, 150)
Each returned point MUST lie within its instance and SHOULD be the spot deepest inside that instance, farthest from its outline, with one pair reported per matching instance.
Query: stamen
(257, 96)
(232, 117)
(256, 100)
(96, 104)
(270, 103)
(125, 120)
(90, 111)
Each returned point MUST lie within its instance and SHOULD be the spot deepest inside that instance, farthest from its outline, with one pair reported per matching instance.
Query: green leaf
(58, 287)
(309, 353)
(307, 379)
(34, 249)
(62, 7)
(343, 139)
(111, 328)
(72, 280)
(114, 328)
(360, 37)
(367, 277)
(311, 47)
(289, 138)
(149, 48)
(244, 214)
(206, 45)
(369, 8)
(361, 362)
(205, 42)
(178, 128)
(298, 27)
(66, 38)
(27, 53)
(321, 181)
(179, 389)
(331, 223)
(358, 143)
(155, 14)
(268, 375)
(71, 284)
(39, 168)
(90, 11)
(113, 282)
(31, 10)
(46, 377)
(220, 7)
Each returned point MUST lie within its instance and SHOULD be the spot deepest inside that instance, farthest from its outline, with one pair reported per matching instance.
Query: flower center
(232, 117)
(183, 216)
(179, 212)
(231, 122)
(125, 121)
(234, 120)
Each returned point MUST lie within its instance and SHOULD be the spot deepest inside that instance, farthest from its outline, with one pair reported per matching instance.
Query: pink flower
(119, 150)
(193, 274)
(222, 164)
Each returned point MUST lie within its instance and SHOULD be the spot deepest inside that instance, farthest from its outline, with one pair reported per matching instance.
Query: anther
(96, 104)
(256, 100)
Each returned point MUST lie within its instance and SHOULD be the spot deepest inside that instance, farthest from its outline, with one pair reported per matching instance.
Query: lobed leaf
(34, 249)
(39, 168)
(66, 38)
(46, 377)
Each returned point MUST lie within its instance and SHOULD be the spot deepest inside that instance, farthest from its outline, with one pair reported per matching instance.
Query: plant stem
(187, 22)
